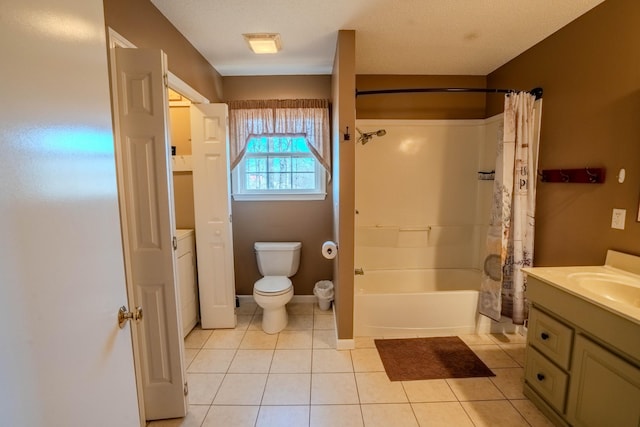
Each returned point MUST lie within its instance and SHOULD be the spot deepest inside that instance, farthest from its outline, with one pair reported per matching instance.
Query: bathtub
(424, 302)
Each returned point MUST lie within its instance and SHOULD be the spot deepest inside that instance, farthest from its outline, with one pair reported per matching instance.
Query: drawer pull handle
(540, 377)
(544, 336)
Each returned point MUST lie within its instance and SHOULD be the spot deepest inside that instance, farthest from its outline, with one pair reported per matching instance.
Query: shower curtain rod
(535, 91)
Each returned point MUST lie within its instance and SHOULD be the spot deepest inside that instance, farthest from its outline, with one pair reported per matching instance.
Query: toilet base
(274, 314)
(274, 320)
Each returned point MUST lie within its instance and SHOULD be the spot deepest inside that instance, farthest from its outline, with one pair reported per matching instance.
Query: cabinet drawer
(550, 337)
(549, 381)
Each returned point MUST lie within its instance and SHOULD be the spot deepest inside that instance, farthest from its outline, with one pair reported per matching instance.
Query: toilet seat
(272, 286)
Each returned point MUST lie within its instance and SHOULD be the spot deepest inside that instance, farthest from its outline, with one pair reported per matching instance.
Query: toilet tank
(278, 258)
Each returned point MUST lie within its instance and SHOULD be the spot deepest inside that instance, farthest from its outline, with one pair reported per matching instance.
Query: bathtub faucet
(359, 272)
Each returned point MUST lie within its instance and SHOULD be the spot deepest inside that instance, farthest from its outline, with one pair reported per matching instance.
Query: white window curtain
(307, 117)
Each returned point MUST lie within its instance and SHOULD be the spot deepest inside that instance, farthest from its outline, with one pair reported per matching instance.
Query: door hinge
(175, 243)
(186, 388)
(230, 218)
(165, 79)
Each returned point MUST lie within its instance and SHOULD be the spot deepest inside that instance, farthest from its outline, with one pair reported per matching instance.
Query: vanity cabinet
(187, 284)
(605, 389)
(573, 374)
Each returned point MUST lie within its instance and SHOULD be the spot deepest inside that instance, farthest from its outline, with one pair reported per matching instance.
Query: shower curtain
(511, 225)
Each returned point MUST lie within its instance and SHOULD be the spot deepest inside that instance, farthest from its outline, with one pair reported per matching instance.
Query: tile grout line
(409, 402)
(244, 334)
(255, 312)
(313, 334)
(264, 389)
(355, 379)
(519, 413)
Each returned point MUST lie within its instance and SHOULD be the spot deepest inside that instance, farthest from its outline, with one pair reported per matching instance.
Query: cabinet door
(604, 390)
(212, 199)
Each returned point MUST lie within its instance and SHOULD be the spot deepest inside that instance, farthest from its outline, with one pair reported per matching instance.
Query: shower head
(366, 136)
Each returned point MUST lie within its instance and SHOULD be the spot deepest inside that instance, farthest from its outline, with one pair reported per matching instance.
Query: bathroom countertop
(182, 232)
(568, 279)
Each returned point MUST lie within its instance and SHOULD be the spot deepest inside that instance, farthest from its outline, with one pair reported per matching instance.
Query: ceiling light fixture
(263, 43)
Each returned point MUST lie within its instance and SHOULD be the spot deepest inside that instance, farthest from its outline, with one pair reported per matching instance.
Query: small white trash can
(324, 291)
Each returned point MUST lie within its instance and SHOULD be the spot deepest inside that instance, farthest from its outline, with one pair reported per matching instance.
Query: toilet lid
(272, 284)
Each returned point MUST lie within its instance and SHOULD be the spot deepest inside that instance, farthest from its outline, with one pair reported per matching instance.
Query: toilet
(277, 261)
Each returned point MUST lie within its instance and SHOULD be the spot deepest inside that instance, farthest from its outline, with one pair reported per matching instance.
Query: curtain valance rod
(535, 91)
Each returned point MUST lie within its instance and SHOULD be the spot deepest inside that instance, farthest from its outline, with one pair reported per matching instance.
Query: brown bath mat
(430, 358)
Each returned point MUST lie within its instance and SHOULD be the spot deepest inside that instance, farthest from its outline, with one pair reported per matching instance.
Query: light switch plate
(617, 219)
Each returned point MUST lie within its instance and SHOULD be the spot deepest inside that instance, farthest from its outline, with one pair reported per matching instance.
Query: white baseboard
(304, 298)
(341, 344)
(296, 298)
(245, 298)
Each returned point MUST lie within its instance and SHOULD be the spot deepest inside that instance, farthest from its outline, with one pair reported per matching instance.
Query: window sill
(279, 197)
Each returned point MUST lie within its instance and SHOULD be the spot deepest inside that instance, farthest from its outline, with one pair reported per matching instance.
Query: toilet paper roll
(329, 249)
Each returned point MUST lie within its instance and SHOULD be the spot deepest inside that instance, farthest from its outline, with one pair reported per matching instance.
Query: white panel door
(63, 359)
(147, 204)
(211, 194)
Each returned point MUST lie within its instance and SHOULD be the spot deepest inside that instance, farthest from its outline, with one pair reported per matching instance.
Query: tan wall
(183, 197)
(142, 24)
(180, 124)
(420, 105)
(276, 87)
(180, 121)
(309, 222)
(344, 115)
(590, 72)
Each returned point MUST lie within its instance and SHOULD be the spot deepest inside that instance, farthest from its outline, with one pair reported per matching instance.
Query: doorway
(145, 160)
(145, 188)
(183, 206)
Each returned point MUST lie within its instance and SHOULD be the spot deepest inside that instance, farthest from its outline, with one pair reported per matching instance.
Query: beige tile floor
(244, 377)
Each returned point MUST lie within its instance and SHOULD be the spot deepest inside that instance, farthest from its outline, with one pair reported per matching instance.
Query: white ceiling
(431, 37)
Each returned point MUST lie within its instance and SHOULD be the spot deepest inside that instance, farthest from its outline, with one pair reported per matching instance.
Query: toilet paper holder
(329, 249)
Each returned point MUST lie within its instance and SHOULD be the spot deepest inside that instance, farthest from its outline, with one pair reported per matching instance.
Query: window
(279, 149)
(278, 167)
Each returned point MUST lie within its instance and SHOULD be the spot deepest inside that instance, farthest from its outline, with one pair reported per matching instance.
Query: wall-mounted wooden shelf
(581, 176)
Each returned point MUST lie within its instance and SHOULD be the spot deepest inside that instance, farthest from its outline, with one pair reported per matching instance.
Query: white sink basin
(620, 288)
(614, 286)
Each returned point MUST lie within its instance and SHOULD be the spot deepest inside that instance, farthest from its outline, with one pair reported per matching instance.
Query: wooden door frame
(114, 39)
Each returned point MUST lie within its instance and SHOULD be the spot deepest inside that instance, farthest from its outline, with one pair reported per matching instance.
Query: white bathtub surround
(425, 302)
(421, 224)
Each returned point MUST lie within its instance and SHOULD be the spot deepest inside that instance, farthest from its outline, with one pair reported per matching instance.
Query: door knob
(124, 315)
